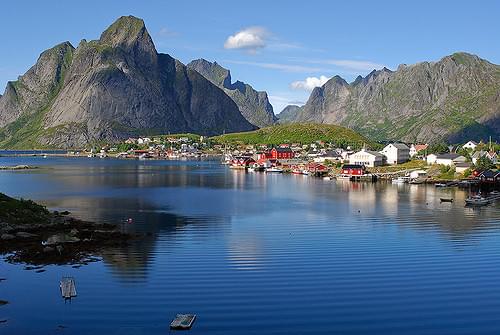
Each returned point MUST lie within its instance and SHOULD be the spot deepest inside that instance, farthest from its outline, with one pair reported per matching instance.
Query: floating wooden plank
(68, 287)
(183, 321)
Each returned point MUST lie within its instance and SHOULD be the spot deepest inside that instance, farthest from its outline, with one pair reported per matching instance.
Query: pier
(68, 287)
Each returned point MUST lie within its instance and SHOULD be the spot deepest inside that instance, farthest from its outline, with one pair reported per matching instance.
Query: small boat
(446, 199)
(477, 200)
(274, 170)
(183, 321)
(416, 181)
(401, 180)
(255, 168)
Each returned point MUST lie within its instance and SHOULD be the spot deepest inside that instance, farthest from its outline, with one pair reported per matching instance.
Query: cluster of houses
(294, 158)
(156, 147)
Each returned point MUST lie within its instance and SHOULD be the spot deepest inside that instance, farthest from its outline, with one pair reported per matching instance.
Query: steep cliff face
(110, 89)
(453, 99)
(254, 105)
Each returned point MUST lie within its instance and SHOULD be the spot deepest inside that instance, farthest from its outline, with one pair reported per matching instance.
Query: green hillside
(304, 133)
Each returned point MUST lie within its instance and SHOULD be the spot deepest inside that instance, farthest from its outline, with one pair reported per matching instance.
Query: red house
(353, 169)
(282, 153)
(241, 162)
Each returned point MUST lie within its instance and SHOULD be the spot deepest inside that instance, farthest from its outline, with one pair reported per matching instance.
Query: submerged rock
(23, 234)
(7, 237)
(61, 238)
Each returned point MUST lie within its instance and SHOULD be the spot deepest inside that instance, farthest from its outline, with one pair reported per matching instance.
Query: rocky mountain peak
(128, 33)
(212, 71)
(254, 105)
(110, 89)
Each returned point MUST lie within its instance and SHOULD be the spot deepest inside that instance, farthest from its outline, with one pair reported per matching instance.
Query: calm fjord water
(251, 253)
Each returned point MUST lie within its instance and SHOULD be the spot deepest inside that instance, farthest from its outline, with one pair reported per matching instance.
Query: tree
(483, 163)
(438, 148)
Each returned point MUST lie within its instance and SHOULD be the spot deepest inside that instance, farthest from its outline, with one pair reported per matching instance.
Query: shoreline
(32, 235)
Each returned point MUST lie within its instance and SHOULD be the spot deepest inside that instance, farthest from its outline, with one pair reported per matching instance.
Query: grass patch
(303, 133)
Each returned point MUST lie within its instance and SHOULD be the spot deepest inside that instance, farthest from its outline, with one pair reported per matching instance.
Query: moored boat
(401, 180)
(274, 170)
(477, 200)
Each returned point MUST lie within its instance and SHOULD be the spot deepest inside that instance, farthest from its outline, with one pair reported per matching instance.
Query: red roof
(420, 147)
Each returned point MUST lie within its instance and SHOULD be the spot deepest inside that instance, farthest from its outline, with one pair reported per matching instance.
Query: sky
(283, 47)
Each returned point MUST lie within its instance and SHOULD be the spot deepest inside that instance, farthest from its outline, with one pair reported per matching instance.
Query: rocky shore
(31, 234)
(17, 167)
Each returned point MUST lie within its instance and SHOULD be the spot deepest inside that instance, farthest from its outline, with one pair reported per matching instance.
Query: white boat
(401, 180)
(477, 200)
(274, 170)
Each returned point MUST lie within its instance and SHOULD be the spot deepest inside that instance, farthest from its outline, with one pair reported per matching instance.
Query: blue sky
(272, 45)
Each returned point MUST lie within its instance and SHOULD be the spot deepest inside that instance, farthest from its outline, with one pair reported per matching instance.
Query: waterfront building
(332, 156)
(367, 158)
(353, 170)
(396, 153)
(445, 159)
(490, 176)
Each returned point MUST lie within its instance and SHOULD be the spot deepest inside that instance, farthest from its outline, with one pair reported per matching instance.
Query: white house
(445, 159)
(462, 167)
(396, 153)
(491, 155)
(367, 158)
(416, 148)
(331, 156)
(470, 145)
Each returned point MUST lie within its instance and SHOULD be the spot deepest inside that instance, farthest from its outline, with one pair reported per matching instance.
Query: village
(465, 164)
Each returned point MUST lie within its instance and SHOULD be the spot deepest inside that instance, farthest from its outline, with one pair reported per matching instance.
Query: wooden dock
(183, 321)
(68, 287)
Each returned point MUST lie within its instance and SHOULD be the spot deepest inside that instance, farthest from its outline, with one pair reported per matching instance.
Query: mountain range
(454, 99)
(108, 89)
(119, 86)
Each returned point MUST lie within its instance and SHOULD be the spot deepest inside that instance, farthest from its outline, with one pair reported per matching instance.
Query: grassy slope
(304, 133)
(22, 211)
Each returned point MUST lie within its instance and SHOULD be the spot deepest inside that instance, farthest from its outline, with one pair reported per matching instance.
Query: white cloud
(279, 102)
(347, 64)
(309, 83)
(280, 67)
(165, 32)
(250, 39)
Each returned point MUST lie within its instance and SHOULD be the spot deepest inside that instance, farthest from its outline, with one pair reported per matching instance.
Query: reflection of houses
(396, 153)
(367, 158)
(445, 159)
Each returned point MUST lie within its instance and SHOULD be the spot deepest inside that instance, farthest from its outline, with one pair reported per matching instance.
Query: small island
(32, 234)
